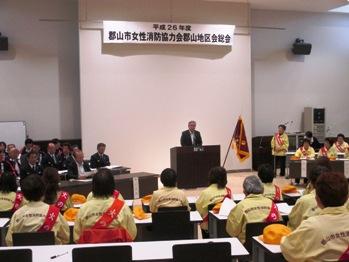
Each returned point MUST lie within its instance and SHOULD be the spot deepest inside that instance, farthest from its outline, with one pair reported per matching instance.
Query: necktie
(54, 159)
(192, 138)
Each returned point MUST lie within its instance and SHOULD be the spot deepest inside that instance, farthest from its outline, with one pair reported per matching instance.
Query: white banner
(167, 33)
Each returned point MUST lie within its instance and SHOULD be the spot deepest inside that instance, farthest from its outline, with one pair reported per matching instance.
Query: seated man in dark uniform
(50, 159)
(3, 148)
(31, 166)
(28, 146)
(65, 158)
(4, 164)
(58, 147)
(37, 149)
(99, 159)
(191, 137)
(12, 160)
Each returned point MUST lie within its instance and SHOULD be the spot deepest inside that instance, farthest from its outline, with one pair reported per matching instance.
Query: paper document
(112, 166)
(284, 208)
(82, 180)
(226, 207)
(239, 197)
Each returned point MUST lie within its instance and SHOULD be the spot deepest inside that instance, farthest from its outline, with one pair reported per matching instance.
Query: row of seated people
(325, 202)
(40, 204)
(330, 148)
(66, 157)
(328, 190)
(168, 196)
(328, 151)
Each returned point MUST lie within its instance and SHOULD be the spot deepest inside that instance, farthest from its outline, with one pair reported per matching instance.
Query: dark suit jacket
(24, 151)
(97, 161)
(12, 164)
(26, 170)
(24, 159)
(5, 165)
(48, 161)
(73, 172)
(316, 144)
(64, 161)
(186, 139)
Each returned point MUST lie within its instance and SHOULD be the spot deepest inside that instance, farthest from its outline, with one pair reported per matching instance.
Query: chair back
(103, 254)
(203, 252)
(33, 239)
(16, 255)
(173, 225)
(6, 214)
(255, 229)
(169, 209)
(211, 206)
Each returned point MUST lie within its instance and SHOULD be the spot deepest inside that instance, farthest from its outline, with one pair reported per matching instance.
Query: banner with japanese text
(167, 33)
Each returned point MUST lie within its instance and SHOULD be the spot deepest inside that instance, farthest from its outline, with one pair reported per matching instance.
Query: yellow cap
(273, 233)
(139, 213)
(217, 208)
(289, 189)
(146, 199)
(295, 158)
(70, 214)
(78, 199)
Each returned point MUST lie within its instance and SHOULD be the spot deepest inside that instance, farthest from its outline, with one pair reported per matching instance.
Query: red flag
(240, 141)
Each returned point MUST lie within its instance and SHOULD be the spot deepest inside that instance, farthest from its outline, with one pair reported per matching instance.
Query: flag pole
(226, 155)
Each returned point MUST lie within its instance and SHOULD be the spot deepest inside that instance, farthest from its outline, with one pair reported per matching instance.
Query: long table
(115, 171)
(131, 186)
(191, 200)
(302, 168)
(141, 251)
(217, 223)
(144, 232)
(265, 252)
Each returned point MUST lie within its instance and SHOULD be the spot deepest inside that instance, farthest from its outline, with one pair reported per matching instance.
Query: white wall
(39, 75)
(138, 99)
(283, 84)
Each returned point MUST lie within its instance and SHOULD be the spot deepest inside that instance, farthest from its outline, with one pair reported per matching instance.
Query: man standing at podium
(191, 137)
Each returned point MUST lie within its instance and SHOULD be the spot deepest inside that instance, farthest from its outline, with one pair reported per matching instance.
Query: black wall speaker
(301, 48)
(3, 43)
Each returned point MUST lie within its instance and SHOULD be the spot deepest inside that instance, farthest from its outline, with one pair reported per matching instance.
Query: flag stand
(226, 155)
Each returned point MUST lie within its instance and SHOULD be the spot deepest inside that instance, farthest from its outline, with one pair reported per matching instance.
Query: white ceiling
(291, 5)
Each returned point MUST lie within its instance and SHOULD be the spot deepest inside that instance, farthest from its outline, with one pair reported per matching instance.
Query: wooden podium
(192, 164)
